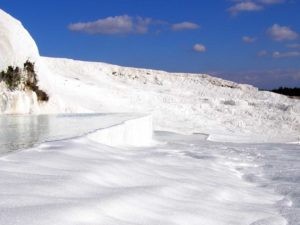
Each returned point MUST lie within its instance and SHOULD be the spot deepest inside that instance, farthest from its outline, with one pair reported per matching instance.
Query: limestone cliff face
(17, 47)
(16, 44)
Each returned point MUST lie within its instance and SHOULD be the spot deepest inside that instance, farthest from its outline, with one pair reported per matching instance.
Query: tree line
(287, 91)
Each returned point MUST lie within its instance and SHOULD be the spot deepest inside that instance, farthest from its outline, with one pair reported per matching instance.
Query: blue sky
(249, 41)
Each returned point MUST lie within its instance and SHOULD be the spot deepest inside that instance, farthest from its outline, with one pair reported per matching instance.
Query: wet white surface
(23, 131)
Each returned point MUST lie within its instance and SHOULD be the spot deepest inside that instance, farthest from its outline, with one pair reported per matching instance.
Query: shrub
(31, 75)
(31, 81)
(15, 78)
(11, 77)
(41, 95)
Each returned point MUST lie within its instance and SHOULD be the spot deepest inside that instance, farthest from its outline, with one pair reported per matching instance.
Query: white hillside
(187, 103)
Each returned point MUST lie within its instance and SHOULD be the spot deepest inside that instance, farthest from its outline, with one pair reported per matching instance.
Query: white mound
(16, 44)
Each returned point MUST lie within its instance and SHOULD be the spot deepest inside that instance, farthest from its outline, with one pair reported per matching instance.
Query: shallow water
(25, 131)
